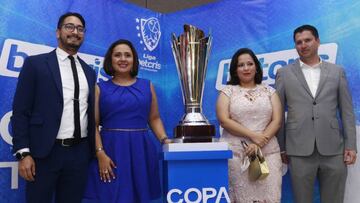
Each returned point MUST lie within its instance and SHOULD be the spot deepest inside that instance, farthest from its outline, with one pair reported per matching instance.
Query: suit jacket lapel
(55, 70)
(300, 76)
(323, 76)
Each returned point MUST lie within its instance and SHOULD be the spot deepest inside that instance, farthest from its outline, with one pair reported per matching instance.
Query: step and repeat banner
(265, 26)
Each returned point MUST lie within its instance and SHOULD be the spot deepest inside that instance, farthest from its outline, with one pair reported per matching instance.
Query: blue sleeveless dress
(132, 151)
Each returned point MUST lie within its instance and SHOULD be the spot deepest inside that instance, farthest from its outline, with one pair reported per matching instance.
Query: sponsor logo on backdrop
(14, 53)
(272, 61)
(6, 136)
(13, 165)
(149, 34)
(196, 195)
(4, 128)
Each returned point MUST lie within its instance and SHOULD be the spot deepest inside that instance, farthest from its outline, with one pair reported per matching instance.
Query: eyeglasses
(71, 27)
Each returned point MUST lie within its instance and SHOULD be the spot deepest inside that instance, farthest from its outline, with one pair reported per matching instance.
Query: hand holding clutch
(259, 139)
(258, 168)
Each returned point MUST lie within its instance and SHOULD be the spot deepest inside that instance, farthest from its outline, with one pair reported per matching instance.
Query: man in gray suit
(318, 139)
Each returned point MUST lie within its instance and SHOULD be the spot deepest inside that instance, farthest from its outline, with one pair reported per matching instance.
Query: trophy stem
(193, 109)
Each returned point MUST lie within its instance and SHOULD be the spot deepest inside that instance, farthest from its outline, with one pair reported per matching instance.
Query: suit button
(314, 103)
(312, 118)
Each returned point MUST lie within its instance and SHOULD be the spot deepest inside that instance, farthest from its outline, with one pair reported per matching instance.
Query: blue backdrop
(266, 26)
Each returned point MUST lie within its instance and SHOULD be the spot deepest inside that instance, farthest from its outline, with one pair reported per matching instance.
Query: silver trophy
(191, 52)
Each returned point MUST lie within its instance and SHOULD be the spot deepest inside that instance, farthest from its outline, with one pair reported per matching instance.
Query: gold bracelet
(99, 149)
(162, 140)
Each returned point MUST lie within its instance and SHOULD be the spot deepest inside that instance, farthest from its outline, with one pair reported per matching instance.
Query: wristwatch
(21, 156)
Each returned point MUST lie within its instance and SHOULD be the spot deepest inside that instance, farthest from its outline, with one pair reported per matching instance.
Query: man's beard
(69, 45)
(74, 47)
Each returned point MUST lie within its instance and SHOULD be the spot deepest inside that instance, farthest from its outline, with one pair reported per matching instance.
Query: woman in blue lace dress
(126, 168)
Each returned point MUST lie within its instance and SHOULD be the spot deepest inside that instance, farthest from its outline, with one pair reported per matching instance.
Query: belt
(125, 129)
(68, 142)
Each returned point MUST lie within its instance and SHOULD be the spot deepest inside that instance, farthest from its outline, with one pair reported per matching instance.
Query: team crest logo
(149, 32)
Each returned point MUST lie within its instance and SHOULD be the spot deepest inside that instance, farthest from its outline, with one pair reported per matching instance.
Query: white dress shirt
(67, 127)
(312, 76)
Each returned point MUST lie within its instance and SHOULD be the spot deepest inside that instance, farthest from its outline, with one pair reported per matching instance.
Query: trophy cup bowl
(191, 52)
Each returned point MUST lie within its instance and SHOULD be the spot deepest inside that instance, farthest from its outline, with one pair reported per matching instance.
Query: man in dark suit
(53, 118)
(319, 136)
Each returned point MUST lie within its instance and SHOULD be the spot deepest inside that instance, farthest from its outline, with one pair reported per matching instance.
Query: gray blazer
(327, 120)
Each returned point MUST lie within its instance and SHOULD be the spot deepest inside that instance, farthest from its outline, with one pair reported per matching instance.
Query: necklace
(251, 94)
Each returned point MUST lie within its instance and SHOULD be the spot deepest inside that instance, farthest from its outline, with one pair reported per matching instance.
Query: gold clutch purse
(258, 168)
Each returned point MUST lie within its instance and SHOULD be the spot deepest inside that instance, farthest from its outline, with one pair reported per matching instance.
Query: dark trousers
(63, 173)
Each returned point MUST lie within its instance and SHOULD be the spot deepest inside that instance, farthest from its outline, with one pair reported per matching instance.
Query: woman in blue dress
(126, 168)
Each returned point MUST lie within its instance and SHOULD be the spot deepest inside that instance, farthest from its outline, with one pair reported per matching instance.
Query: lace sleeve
(269, 90)
(227, 90)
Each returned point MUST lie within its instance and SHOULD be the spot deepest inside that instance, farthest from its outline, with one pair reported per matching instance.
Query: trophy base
(195, 133)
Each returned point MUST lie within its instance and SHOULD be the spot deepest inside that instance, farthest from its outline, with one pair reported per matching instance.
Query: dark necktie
(77, 131)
